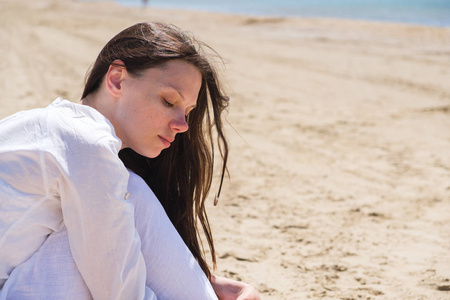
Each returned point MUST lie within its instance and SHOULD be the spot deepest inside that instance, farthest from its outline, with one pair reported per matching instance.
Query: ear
(114, 77)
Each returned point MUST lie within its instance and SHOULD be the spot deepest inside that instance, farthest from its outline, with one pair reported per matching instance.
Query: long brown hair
(181, 175)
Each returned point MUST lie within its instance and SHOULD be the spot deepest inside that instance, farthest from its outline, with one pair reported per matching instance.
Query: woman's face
(153, 107)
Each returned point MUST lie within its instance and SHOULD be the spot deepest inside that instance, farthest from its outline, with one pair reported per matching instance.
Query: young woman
(60, 167)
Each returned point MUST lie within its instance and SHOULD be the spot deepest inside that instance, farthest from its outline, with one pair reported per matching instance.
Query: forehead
(180, 75)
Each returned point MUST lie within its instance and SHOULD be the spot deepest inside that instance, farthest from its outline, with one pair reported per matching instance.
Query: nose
(179, 124)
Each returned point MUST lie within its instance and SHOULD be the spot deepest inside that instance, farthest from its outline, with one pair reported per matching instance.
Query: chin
(153, 154)
(149, 153)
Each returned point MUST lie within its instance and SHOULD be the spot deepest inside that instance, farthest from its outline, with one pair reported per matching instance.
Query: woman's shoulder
(76, 115)
(60, 117)
(75, 123)
(61, 130)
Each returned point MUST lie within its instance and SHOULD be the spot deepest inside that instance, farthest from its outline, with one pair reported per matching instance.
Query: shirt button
(127, 195)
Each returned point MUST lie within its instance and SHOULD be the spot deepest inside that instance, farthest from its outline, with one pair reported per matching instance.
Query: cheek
(160, 117)
(149, 121)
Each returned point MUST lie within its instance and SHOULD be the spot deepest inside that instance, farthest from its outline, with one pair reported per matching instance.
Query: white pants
(172, 271)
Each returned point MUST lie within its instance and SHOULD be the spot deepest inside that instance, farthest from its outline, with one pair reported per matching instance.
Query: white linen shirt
(59, 166)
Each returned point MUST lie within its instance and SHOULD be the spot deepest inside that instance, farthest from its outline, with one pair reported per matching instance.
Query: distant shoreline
(435, 17)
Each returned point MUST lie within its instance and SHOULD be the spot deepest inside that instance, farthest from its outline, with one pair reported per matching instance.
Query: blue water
(424, 12)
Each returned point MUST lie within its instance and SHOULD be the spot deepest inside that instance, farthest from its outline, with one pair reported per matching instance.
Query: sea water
(424, 12)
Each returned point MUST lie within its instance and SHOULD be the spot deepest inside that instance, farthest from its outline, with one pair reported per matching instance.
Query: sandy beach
(339, 133)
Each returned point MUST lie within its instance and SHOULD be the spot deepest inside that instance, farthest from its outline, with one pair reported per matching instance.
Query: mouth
(166, 141)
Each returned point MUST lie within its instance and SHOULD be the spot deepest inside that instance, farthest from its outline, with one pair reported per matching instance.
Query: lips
(166, 140)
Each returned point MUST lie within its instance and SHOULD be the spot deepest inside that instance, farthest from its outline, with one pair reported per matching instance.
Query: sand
(339, 131)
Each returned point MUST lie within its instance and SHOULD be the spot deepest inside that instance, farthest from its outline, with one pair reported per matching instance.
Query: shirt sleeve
(85, 170)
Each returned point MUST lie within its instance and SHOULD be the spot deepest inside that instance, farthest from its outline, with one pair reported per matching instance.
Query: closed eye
(167, 103)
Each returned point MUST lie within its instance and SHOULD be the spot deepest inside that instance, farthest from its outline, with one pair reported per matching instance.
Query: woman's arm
(172, 271)
(81, 166)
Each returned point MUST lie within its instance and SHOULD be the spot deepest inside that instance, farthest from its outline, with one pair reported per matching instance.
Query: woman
(149, 84)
